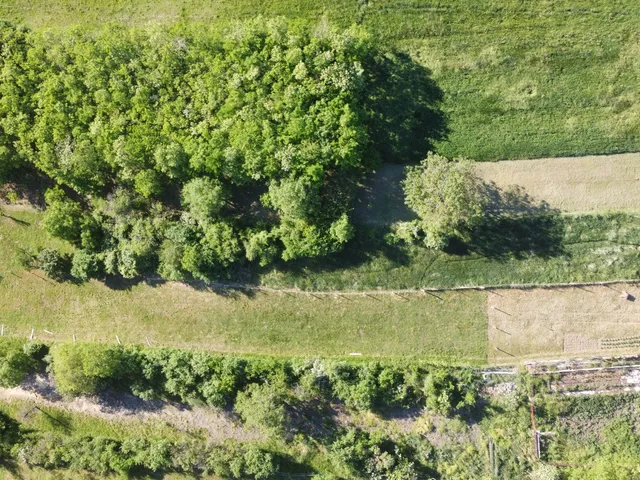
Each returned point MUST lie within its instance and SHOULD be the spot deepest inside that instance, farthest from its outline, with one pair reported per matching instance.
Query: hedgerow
(198, 377)
(104, 456)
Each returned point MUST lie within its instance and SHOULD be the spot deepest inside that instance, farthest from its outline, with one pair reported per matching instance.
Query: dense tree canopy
(446, 195)
(186, 152)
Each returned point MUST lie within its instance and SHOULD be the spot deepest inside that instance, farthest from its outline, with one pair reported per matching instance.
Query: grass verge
(530, 250)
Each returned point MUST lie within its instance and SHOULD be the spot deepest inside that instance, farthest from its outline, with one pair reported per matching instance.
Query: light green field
(520, 79)
(250, 322)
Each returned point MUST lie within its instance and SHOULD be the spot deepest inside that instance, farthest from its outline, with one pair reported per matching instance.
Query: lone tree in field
(446, 195)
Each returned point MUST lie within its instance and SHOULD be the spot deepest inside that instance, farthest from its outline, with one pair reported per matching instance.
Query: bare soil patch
(562, 322)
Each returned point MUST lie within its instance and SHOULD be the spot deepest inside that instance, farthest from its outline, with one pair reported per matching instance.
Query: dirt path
(124, 407)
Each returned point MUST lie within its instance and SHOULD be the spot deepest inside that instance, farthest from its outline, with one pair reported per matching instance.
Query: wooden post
(32, 332)
(118, 339)
(2, 330)
(74, 338)
(492, 458)
(148, 342)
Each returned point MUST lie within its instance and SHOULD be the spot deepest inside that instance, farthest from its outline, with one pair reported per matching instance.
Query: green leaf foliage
(446, 195)
(17, 361)
(143, 131)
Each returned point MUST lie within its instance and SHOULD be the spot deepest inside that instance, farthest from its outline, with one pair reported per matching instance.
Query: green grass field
(443, 326)
(520, 79)
(249, 322)
(553, 249)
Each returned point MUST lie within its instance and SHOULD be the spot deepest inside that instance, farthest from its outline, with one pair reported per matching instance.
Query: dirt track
(123, 408)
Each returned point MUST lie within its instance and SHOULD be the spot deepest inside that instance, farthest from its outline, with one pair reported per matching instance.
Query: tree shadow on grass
(368, 243)
(28, 184)
(405, 103)
(515, 226)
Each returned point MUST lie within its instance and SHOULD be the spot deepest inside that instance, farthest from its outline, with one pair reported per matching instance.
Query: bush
(53, 264)
(446, 393)
(85, 369)
(16, 361)
(264, 407)
(358, 452)
(10, 435)
(84, 265)
(241, 461)
(63, 217)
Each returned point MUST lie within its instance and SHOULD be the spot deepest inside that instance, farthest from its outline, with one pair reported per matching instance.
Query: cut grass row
(442, 328)
(520, 79)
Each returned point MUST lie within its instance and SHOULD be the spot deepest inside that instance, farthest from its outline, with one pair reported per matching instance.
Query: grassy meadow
(551, 248)
(520, 79)
(439, 328)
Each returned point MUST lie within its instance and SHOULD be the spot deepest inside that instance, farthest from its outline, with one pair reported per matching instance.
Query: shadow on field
(513, 201)
(405, 101)
(515, 226)
(368, 243)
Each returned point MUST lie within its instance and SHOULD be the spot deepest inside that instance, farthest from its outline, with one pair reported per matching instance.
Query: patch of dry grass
(560, 322)
(577, 185)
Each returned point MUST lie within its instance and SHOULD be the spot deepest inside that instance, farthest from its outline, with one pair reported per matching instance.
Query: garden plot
(561, 322)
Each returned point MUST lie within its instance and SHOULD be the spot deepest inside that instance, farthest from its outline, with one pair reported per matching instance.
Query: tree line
(221, 381)
(185, 152)
(272, 395)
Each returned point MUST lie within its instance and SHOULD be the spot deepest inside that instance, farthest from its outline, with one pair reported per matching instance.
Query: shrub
(446, 393)
(237, 461)
(15, 362)
(53, 264)
(85, 369)
(355, 384)
(84, 265)
(63, 216)
(264, 407)
(359, 452)
(10, 435)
